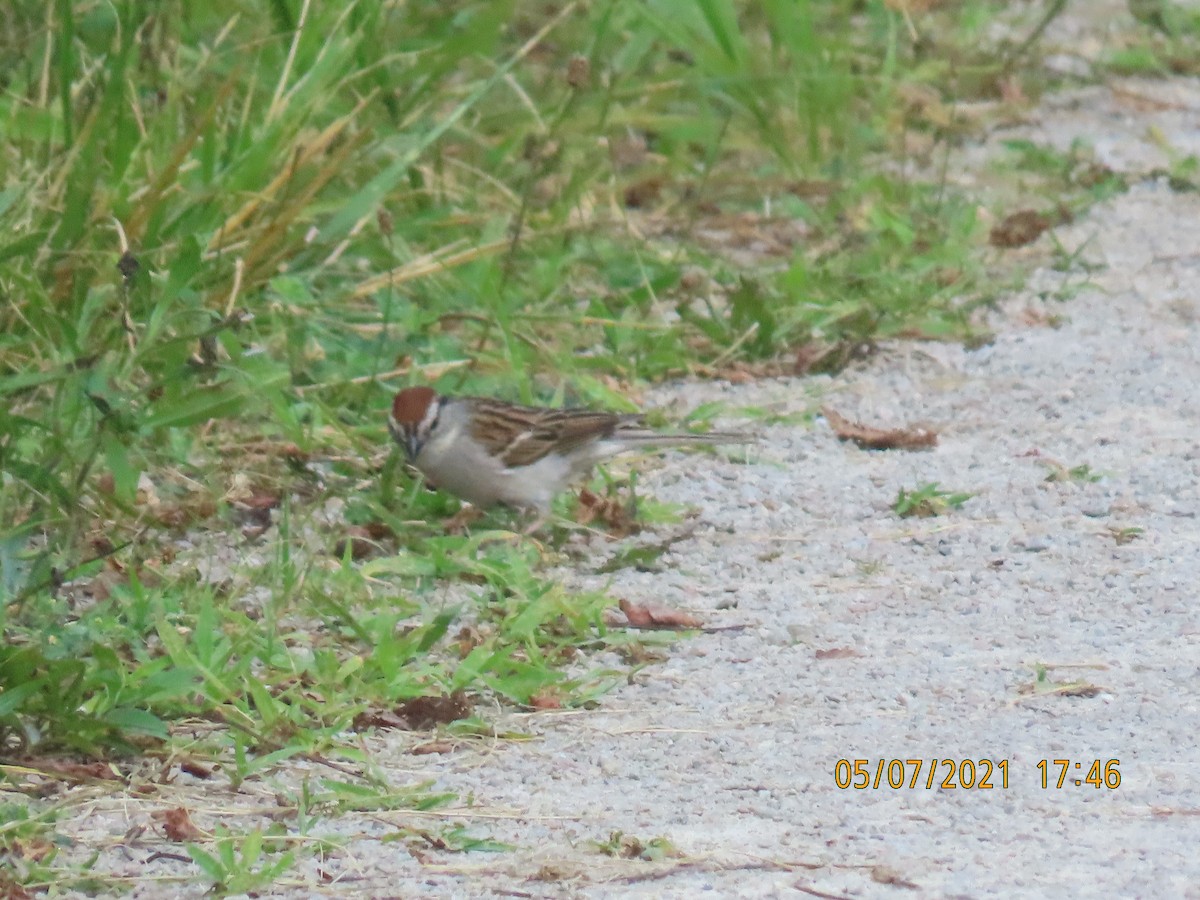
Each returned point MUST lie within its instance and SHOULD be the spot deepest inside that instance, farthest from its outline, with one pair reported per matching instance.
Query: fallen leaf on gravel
(379, 531)
(1043, 686)
(10, 890)
(1011, 91)
(812, 891)
(181, 515)
(379, 718)
(626, 846)
(1024, 227)
(643, 193)
(657, 615)
(259, 499)
(177, 825)
(884, 875)
(1125, 535)
(363, 540)
(195, 769)
(432, 747)
(1070, 689)
(870, 438)
(468, 638)
(556, 872)
(1018, 229)
(638, 654)
(837, 653)
(461, 522)
(1040, 318)
(546, 699)
(292, 452)
(615, 516)
(1080, 689)
(739, 371)
(816, 357)
(417, 714)
(34, 849)
(71, 771)
(437, 843)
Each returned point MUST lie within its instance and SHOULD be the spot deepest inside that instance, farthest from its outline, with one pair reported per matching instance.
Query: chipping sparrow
(488, 452)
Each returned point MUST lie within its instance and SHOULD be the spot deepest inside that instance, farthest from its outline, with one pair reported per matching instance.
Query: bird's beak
(405, 438)
(412, 445)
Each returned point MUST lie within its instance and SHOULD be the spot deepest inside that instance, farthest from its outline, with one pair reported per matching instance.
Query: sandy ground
(856, 635)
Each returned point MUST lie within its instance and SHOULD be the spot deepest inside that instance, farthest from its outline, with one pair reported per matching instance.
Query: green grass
(1166, 43)
(229, 231)
(927, 501)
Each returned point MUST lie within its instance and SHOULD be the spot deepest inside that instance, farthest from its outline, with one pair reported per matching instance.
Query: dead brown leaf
(195, 769)
(556, 872)
(629, 150)
(615, 516)
(430, 747)
(1081, 689)
(643, 193)
(923, 103)
(814, 357)
(748, 235)
(34, 849)
(357, 541)
(1019, 228)
(461, 521)
(657, 615)
(177, 825)
(812, 189)
(837, 653)
(260, 499)
(637, 653)
(1047, 688)
(362, 540)
(183, 514)
(548, 698)
(578, 71)
(737, 371)
(281, 449)
(379, 719)
(72, 771)
(468, 638)
(379, 531)
(1040, 318)
(869, 438)
(417, 714)
(10, 890)
(1011, 91)
(884, 875)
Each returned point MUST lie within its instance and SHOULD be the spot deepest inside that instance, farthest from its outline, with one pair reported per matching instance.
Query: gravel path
(868, 637)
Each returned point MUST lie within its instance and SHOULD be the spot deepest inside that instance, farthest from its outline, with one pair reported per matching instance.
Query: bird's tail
(661, 439)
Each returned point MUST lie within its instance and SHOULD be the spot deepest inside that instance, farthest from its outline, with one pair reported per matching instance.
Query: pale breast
(470, 473)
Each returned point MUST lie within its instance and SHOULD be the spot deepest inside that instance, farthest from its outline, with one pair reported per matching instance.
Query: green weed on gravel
(927, 501)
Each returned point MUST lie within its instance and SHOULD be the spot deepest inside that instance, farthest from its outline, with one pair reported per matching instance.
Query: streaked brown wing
(522, 435)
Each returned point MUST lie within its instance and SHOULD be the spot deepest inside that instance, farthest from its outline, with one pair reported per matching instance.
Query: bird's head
(414, 415)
